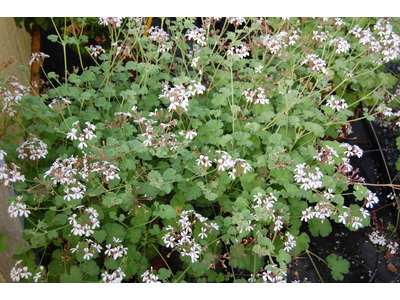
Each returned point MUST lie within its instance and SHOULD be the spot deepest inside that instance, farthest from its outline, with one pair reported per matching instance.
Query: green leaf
(338, 265)
(164, 274)
(166, 212)
(319, 228)
(170, 175)
(134, 234)
(219, 100)
(302, 242)
(52, 234)
(53, 37)
(200, 267)
(75, 277)
(191, 190)
(38, 240)
(284, 257)
(264, 241)
(316, 129)
(114, 230)
(100, 235)
(211, 275)
(112, 263)
(90, 267)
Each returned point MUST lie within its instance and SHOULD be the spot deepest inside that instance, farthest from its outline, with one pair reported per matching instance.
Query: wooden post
(15, 42)
(35, 68)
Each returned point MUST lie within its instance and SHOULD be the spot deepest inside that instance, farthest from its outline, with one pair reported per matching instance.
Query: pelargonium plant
(216, 140)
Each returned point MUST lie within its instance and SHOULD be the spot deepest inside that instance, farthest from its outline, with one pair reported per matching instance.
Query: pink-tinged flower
(203, 233)
(38, 57)
(343, 217)
(356, 222)
(95, 50)
(198, 35)
(87, 255)
(24, 273)
(111, 21)
(194, 62)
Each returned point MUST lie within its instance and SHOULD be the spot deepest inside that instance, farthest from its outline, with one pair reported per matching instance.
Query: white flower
(258, 69)
(194, 62)
(2, 154)
(203, 233)
(356, 222)
(190, 135)
(343, 217)
(24, 273)
(87, 255)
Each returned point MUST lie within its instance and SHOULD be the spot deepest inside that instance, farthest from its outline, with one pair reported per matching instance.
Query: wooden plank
(35, 68)
(16, 43)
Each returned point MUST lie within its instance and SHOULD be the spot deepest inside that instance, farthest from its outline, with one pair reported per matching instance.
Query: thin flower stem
(163, 259)
(183, 273)
(308, 253)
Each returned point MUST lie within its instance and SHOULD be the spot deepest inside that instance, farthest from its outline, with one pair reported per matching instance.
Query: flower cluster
(38, 57)
(181, 238)
(179, 97)
(86, 223)
(337, 104)
(149, 278)
(86, 134)
(122, 50)
(33, 149)
(89, 250)
(40, 275)
(257, 96)
(18, 272)
(345, 130)
(59, 104)
(325, 155)
(65, 172)
(315, 63)
(105, 169)
(341, 45)
(11, 175)
(385, 44)
(371, 199)
(12, 95)
(378, 238)
(198, 35)
(264, 208)
(276, 43)
(290, 243)
(238, 166)
(18, 208)
(111, 22)
(310, 181)
(271, 274)
(393, 247)
(159, 36)
(95, 51)
(117, 251)
(320, 36)
(241, 51)
(116, 277)
(352, 150)
(236, 20)
(321, 210)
